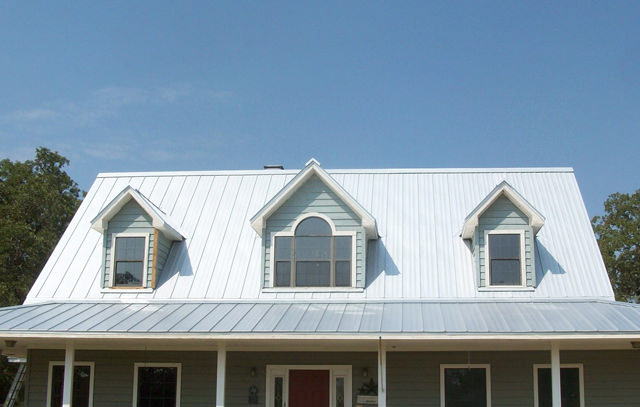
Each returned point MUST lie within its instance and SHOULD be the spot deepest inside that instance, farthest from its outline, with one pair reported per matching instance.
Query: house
(327, 288)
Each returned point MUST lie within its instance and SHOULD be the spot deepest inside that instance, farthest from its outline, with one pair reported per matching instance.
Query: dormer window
(314, 256)
(129, 260)
(505, 258)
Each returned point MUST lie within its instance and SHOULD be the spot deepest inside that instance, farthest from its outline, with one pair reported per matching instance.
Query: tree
(37, 201)
(618, 233)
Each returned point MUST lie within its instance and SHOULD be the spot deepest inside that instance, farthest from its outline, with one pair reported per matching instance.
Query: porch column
(221, 373)
(67, 388)
(556, 390)
(382, 374)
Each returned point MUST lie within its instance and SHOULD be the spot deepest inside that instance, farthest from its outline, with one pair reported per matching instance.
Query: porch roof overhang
(265, 320)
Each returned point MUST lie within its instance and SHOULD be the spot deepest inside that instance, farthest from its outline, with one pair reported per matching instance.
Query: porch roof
(322, 318)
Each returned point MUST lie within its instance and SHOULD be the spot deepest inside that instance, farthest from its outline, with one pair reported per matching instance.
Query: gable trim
(159, 219)
(312, 168)
(536, 220)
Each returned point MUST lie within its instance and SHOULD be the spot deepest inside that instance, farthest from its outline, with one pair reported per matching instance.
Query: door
(309, 388)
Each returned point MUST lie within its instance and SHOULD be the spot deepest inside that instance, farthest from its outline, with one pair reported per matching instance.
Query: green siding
(315, 196)
(611, 378)
(503, 215)
(164, 247)
(114, 370)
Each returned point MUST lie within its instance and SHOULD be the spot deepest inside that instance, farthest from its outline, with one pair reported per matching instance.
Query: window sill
(126, 290)
(312, 290)
(507, 289)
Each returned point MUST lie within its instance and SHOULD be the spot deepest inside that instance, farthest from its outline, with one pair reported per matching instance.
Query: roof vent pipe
(273, 167)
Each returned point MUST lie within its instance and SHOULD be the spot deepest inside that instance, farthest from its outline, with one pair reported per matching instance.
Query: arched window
(312, 257)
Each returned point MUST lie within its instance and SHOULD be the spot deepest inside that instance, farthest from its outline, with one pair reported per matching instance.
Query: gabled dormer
(137, 238)
(502, 230)
(314, 235)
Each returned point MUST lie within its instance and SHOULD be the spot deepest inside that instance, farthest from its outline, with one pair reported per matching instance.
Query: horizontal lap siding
(114, 370)
(315, 196)
(503, 215)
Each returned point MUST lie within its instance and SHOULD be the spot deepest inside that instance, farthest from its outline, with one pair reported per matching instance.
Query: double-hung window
(506, 259)
(157, 384)
(129, 260)
(82, 393)
(571, 384)
(313, 256)
(465, 385)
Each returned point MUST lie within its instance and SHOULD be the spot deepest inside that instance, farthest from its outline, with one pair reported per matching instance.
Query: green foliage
(618, 233)
(37, 201)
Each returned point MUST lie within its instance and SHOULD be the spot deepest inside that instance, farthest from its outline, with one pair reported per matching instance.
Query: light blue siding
(503, 215)
(314, 196)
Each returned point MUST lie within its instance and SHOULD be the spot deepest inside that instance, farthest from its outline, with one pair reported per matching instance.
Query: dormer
(137, 238)
(314, 235)
(502, 231)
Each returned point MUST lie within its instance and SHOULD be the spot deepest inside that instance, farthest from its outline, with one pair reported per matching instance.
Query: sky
(161, 86)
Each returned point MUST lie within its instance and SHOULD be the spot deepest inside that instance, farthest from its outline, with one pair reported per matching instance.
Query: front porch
(404, 373)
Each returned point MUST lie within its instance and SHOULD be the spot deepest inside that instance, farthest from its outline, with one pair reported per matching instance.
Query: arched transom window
(313, 256)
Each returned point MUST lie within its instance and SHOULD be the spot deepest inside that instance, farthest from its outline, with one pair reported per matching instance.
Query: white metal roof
(419, 215)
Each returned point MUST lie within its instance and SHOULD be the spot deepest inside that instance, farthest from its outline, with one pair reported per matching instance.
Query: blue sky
(145, 86)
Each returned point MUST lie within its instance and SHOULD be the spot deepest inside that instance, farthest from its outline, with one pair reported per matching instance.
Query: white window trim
(485, 366)
(487, 259)
(61, 363)
(335, 371)
(112, 262)
(291, 233)
(156, 364)
(562, 365)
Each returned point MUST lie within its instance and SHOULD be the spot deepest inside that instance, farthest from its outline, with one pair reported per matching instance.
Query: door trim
(335, 371)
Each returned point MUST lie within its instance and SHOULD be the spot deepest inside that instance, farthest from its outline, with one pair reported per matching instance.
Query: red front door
(308, 388)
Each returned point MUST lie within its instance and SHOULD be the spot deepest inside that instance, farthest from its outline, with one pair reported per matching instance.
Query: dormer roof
(536, 220)
(313, 168)
(160, 220)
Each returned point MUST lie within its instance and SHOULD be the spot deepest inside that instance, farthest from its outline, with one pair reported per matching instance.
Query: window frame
(53, 363)
(138, 365)
(112, 261)
(485, 366)
(487, 257)
(291, 233)
(538, 366)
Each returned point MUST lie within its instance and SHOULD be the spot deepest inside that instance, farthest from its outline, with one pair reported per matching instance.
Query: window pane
(465, 387)
(569, 384)
(283, 248)
(313, 227)
(343, 247)
(313, 248)
(157, 386)
(81, 385)
(283, 274)
(130, 248)
(339, 391)
(506, 272)
(313, 273)
(504, 246)
(128, 273)
(277, 397)
(343, 274)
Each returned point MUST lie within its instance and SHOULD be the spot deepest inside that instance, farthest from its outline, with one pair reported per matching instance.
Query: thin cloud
(31, 115)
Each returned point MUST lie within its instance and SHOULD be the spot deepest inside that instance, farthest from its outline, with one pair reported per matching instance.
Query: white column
(556, 389)
(382, 374)
(67, 388)
(221, 371)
